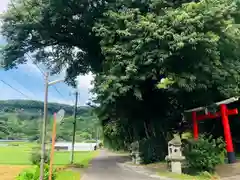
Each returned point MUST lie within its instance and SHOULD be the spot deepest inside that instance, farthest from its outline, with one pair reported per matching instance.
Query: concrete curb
(141, 170)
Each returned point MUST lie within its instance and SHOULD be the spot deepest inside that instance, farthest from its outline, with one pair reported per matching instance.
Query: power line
(15, 89)
(36, 64)
(58, 91)
(43, 73)
(73, 102)
(26, 52)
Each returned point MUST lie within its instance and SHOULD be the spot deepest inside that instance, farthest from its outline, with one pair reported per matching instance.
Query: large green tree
(151, 59)
(194, 45)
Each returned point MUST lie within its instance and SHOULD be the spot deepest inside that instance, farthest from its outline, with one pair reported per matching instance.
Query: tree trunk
(153, 130)
(146, 130)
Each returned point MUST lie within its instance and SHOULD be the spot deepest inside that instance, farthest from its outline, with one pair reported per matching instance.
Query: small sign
(60, 115)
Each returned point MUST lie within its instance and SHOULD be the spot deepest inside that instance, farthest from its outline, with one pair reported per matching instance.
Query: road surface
(105, 167)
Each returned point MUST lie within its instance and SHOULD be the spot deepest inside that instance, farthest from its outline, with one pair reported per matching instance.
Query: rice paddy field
(16, 157)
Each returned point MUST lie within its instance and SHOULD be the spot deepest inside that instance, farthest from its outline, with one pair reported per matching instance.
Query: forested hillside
(36, 106)
(21, 119)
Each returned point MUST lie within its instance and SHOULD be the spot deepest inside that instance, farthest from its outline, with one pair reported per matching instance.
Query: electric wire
(58, 91)
(36, 64)
(15, 89)
(43, 73)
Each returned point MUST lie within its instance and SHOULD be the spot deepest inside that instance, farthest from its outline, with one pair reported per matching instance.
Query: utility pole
(39, 125)
(74, 127)
(97, 138)
(44, 124)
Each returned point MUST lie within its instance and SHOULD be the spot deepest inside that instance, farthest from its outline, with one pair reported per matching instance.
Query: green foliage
(22, 120)
(113, 133)
(3, 127)
(34, 173)
(165, 83)
(152, 150)
(204, 154)
(68, 174)
(130, 47)
(101, 145)
(88, 128)
(36, 157)
(79, 48)
(185, 44)
(34, 108)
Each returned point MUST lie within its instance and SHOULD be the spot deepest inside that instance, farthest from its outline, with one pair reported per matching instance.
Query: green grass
(203, 176)
(68, 175)
(16, 155)
(21, 155)
(162, 170)
(62, 158)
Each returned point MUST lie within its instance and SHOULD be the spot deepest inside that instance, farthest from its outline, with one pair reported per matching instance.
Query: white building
(67, 146)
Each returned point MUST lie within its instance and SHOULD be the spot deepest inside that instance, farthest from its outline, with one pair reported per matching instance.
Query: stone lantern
(136, 159)
(175, 156)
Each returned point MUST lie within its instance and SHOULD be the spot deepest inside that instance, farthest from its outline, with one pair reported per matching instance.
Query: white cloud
(83, 85)
(85, 81)
(30, 69)
(3, 5)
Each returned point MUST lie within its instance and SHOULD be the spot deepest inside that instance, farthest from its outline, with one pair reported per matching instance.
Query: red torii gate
(224, 113)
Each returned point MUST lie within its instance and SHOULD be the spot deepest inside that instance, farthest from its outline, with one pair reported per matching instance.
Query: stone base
(133, 160)
(231, 157)
(136, 159)
(176, 167)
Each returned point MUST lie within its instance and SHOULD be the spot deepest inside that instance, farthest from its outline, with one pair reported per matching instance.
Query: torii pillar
(224, 113)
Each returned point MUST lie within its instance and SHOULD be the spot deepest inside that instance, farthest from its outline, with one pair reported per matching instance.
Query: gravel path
(105, 167)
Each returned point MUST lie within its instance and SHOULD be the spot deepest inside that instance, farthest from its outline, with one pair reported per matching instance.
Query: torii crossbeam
(224, 113)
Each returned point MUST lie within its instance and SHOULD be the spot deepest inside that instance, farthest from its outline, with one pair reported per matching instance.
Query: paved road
(231, 178)
(105, 167)
(229, 171)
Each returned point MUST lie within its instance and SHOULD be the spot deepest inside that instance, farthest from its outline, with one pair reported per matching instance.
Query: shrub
(204, 154)
(34, 173)
(100, 145)
(152, 150)
(36, 157)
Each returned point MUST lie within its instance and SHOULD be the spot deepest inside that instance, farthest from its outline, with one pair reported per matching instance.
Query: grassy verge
(161, 169)
(80, 158)
(68, 175)
(188, 177)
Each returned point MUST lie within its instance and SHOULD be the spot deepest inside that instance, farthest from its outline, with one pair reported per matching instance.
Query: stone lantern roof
(176, 141)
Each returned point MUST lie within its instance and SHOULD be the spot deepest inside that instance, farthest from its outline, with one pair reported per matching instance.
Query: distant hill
(36, 106)
(21, 119)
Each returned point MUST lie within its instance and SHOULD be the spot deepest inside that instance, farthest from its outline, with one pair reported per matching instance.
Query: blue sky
(28, 79)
